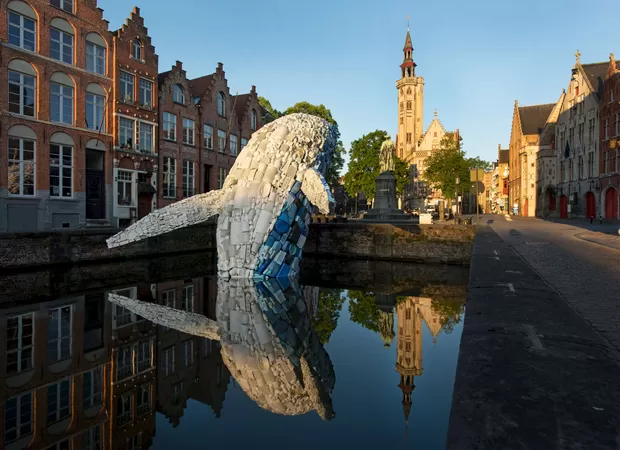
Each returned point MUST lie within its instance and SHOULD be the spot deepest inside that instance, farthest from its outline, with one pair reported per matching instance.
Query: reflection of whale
(267, 343)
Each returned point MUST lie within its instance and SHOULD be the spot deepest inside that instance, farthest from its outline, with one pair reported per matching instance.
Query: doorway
(95, 184)
(590, 205)
(611, 203)
(564, 207)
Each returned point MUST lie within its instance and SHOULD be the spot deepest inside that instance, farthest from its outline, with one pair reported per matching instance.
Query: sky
(477, 57)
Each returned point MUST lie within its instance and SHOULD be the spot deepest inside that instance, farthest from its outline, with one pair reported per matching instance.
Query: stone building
(135, 121)
(609, 134)
(546, 178)
(577, 139)
(55, 131)
(499, 185)
(528, 122)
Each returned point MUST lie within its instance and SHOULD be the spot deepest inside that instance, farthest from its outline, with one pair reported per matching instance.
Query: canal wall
(450, 244)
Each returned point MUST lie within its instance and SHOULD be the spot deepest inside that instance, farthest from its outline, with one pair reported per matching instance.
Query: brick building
(135, 122)
(55, 83)
(609, 135)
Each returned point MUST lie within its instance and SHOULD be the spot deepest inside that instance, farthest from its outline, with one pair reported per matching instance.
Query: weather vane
(408, 17)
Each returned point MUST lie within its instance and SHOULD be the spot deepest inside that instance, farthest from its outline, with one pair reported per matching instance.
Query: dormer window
(65, 5)
(253, 120)
(177, 94)
(221, 104)
(136, 50)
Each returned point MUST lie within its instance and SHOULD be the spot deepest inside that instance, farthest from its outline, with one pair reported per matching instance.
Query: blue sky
(477, 57)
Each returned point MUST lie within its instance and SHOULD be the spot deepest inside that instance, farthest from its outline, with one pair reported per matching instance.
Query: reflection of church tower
(410, 104)
(409, 353)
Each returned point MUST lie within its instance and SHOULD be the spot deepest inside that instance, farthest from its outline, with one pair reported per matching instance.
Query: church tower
(410, 105)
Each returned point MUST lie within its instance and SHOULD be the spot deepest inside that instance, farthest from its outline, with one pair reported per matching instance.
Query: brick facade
(609, 137)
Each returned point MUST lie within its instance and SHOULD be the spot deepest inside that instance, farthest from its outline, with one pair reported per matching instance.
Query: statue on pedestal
(386, 156)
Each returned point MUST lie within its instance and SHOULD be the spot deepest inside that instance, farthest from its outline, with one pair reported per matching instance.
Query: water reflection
(80, 371)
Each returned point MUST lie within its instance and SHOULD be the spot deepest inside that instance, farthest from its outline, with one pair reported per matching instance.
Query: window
(59, 334)
(167, 360)
(611, 96)
(22, 91)
(591, 130)
(409, 105)
(170, 126)
(208, 347)
(170, 177)
(402, 120)
(168, 298)
(124, 362)
(91, 439)
(146, 93)
(580, 133)
(126, 87)
(177, 94)
(22, 31)
(233, 145)
(18, 417)
(188, 131)
(208, 135)
(144, 399)
(124, 183)
(146, 137)
(221, 141)
(123, 409)
(606, 132)
(94, 112)
(136, 49)
(61, 103)
(187, 300)
(408, 136)
(92, 388)
(61, 172)
(571, 137)
(221, 104)
(144, 356)
(19, 343)
(95, 58)
(126, 133)
(66, 5)
(221, 177)
(58, 401)
(21, 166)
(606, 170)
(244, 142)
(253, 120)
(61, 46)
(617, 124)
(188, 352)
(188, 178)
(580, 166)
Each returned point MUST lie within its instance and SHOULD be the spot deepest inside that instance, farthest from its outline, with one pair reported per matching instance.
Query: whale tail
(184, 213)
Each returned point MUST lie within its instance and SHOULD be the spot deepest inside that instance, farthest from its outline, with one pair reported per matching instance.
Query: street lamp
(457, 182)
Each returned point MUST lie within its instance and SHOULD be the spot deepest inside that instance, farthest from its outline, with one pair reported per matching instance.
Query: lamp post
(507, 204)
(457, 182)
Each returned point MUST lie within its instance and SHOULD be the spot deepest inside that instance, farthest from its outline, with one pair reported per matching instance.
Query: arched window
(22, 157)
(95, 53)
(22, 26)
(61, 98)
(61, 40)
(221, 104)
(136, 49)
(177, 94)
(253, 119)
(66, 5)
(22, 88)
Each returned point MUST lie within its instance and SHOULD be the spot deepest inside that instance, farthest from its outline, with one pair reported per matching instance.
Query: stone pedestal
(386, 205)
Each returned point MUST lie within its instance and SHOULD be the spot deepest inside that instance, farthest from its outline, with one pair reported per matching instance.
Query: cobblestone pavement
(587, 274)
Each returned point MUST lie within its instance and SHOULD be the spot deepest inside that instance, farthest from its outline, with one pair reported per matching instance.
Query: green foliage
(308, 108)
(333, 171)
(328, 312)
(364, 166)
(449, 311)
(364, 310)
(267, 105)
(449, 162)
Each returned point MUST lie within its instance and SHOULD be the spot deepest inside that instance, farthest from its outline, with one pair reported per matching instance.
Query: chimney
(179, 65)
(136, 10)
(253, 91)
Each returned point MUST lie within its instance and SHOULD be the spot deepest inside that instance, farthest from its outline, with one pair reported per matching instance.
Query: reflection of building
(56, 374)
(411, 312)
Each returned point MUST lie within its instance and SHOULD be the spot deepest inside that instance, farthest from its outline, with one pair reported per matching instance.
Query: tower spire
(408, 66)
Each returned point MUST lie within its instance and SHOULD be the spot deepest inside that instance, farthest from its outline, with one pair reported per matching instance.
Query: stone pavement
(585, 273)
(532, 373)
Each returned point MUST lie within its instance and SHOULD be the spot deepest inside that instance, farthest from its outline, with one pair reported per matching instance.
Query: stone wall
(450, 244)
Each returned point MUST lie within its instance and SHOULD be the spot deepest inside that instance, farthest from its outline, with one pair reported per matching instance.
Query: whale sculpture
(265, 205)
(267, 342)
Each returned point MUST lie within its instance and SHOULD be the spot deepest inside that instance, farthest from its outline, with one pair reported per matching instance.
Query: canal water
(359, 354)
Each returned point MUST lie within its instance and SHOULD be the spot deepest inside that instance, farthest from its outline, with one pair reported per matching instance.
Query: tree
(364, 166)
(449, 310)
(333, 171)
(267, 105)
(363, 310)
(328, 312)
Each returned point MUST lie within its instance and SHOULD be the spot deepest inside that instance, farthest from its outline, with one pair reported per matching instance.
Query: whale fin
(316, 189)
(176, 319)
(184, 213)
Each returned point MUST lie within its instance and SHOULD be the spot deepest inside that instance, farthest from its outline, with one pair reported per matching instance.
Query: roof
(408, 44)
(240, 102)
(504, 156)
(596, 74)
(162, 76)
(201, 84)
(534, 118)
